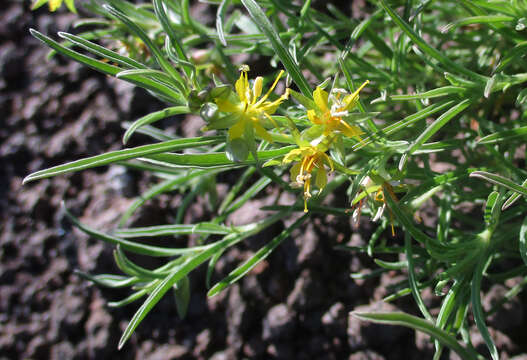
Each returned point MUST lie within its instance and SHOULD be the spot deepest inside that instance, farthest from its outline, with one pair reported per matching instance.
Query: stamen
(270, 89)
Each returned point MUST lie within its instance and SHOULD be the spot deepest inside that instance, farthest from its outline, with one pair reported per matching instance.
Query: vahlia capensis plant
(440, 82)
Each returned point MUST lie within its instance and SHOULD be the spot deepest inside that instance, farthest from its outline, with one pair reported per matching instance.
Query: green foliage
(441, 85)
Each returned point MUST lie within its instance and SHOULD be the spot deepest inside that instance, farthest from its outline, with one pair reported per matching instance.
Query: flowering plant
(381, 141)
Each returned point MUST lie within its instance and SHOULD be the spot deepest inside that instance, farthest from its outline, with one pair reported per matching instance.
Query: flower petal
(312, 116)
(225, 105)
(237, 130)
(261, 132)
(321, 99)
(292, 155)
(54, 4)
(322, 178)
(294, 172)
(350, 130)
(257, 88)
(242, 85)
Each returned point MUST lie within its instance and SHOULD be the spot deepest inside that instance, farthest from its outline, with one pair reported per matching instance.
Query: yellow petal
(225, 105)
(261, 132)
(292, 155)
(312, 116)
(54, 4)
(321, 180)
(294, 172)
(321, 99)
(237, 130)
(242, 85)
(257, 88)
(350, 130)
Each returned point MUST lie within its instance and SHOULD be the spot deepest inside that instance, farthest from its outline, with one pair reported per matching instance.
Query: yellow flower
(54, 4)
(249, 107)
(308, 159)
(332, 108)
(379, 200)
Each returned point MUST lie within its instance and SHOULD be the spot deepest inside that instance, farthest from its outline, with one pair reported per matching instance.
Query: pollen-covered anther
(337, 113)
(300, 179)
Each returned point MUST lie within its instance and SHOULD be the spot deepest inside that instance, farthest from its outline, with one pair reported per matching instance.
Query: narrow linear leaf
(442, 91)
(477, 309)
(405, 123)
(260, 255)
(102, 51)
(158, 55)
(504, 136)
(212, 160)
(149, 303)
(128, 300)
(418, 324)
(500, 180)
(437, 125)
(121, 155)
(131, 246)
(523, 241)
(178, 229)
(413, 279)
(153, 117)
(513, 198)
(423, 45)
(281, 50)
(166, 93)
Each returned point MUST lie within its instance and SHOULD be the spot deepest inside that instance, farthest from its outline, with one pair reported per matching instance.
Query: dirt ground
(295, 306)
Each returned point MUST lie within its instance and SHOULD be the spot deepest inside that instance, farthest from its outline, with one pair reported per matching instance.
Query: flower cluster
(248, 114)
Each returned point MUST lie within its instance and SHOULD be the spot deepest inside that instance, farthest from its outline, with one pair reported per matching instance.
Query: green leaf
(404, 219)
(504, 136)
(433, 128)
(166, 93)
(182, 295)
(109, 280)
(130, 299)
(206, 228)
(168, 27)
(132, 269)
(523, 241)
(418, 324)
(477, 309)
(405, 123)
(138, 248)
(442, 91)
(282, 52)
(412, 278)
(149, 303)
(513, 198)
(492, 211)
(220, 14)
(153, 117)
(102, 51)
(154, 49)
(486, 19)
(430, 51)
(260, 255)
(500, 180)
(212, 160)
(121, 155)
